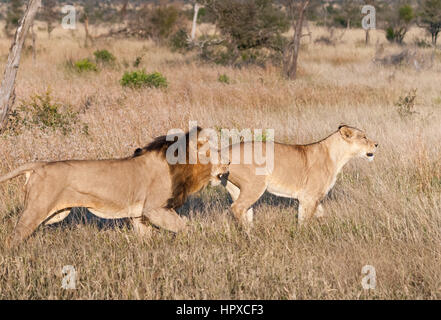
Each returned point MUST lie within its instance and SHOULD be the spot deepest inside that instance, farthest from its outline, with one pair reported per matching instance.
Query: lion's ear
(207, 140)
(345, 132)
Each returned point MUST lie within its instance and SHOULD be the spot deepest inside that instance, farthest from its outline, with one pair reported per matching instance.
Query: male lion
(304, 172)
(144, 185)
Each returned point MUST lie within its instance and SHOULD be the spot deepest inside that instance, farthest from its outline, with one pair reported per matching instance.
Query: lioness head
(358, 143)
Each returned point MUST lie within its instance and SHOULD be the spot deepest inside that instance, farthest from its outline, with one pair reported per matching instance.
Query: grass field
(386, 213)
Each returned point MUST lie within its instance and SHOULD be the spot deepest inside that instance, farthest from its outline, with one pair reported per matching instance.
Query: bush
(223, 78)
(406, 105)
(40, 111)
(138, 79)
(179, 41)
(398, 22)
(104, 56)
(85, 65)
(421, 43)
(246, 26)
(137, 62)
(158, 22)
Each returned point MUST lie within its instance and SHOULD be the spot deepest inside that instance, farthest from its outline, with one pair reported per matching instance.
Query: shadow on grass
(82, 216)
(200, 205)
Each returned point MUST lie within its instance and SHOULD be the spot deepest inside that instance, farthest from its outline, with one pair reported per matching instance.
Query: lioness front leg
(247, 197)
(166, 218)
(234, 193)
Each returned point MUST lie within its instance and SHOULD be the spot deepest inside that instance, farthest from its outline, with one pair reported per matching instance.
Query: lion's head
(357, 141)
(195, 170)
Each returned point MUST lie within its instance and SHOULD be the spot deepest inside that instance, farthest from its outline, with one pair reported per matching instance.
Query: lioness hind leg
(166, 218)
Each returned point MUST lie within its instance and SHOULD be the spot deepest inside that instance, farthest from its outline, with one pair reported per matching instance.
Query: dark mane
(186, 178)
(160, 144)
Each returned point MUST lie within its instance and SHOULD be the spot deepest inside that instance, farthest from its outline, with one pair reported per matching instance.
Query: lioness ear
(345, 132)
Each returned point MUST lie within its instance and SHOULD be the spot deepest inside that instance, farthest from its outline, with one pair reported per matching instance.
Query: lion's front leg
(166, 218)
(141, 228)
(307, 209)
(320, 211)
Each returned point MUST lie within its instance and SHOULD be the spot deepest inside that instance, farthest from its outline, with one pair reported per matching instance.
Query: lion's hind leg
(30, 219)
(39, 203)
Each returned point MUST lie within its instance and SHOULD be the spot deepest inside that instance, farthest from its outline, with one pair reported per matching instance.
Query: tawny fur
(303, 172)
(142, 187)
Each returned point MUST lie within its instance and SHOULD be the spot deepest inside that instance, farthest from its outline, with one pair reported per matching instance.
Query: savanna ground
(386, 213)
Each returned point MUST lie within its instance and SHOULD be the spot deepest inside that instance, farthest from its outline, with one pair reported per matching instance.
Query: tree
(429, 18)
(156, 22)
(196, 7)
(13, 16)
(398, 20)
(8, 84)
(347, 12)
(296, 12)
(247, 25)
(49, 14)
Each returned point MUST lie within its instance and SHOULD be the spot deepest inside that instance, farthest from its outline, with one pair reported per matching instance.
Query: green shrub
(223, 78)
(137, 62)
(421, 43)
(40, 111)
(179, 41)
(138, 79)
(85, 65)
(406, 105)
(390, 34)
(104, 56)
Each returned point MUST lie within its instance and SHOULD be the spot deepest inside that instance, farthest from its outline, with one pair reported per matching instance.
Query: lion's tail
(22, 170)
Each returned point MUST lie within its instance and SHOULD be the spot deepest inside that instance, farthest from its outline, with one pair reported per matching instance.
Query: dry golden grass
(386, 214)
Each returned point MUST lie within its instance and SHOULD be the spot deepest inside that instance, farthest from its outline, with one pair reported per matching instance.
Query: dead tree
(296, 10)
(7, 89)
(195, 21)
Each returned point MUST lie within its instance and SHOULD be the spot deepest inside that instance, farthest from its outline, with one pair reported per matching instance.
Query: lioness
(304, 172)
(144, 185)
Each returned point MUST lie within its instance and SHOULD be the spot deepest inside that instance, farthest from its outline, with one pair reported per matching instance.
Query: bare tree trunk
(292, 51)
(195, 21)
(86, 29)
(34, 48)
(123, 11)
(7, 89)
